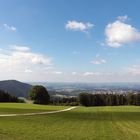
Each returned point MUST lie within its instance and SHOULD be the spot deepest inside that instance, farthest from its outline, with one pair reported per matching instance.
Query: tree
(39, 95)
(131, 99)
(137, 98)
(84, 99)
(6, 97)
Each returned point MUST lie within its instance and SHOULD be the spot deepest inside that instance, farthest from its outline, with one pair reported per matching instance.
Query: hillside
(15, 88)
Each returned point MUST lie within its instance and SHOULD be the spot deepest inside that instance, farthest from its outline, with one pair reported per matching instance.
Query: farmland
(82, 123)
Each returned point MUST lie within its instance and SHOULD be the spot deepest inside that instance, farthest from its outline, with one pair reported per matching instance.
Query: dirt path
(38, 113)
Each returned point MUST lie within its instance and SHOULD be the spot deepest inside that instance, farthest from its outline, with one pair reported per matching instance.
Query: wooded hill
(15, 88)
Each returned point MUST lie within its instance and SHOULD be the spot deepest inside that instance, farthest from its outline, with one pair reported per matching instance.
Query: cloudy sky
(70, 40)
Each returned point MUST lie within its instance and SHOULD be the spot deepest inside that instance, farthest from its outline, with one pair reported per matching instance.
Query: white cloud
(98, 61)
(48, 68)
(74, 73)
(119, 33)
(133, 70)
(122, 18)
(57, 72)
(78, 26)
(18, 60)
(4, 59)
(19, 56)
(92, 73)
(28, 71)
(10, 28)
(88, 73)
(19, 48)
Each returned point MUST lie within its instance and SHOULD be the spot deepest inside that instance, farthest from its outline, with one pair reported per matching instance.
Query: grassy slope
(93, 123)
(10, 108)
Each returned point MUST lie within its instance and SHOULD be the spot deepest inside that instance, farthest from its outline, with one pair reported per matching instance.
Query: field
(10, 108)
(82, 123)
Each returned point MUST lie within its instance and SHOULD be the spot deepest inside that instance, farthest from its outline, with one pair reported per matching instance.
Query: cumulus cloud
(20, 58)
(9, 28)
(119, 33)
(78, 26)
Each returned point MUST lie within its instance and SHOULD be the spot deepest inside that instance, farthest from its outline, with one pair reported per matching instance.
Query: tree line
(6, 97)
(87, 99)
(40, 95)
(69, 101)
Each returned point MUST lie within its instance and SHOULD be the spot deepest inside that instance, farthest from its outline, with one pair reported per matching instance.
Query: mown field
(82, 123)
(10, 108)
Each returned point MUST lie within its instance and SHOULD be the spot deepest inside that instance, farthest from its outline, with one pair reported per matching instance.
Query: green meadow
(19, 108)
(82, 123)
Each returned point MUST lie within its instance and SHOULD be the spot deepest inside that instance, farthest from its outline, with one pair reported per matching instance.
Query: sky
(70, 40)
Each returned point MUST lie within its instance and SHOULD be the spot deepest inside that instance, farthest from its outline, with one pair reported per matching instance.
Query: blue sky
(70, 40)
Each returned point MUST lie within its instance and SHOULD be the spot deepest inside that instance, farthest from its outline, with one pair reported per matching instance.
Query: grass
(10, 108)
(92, 123)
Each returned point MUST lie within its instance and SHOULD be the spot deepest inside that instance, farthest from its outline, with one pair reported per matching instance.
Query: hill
(15, 88)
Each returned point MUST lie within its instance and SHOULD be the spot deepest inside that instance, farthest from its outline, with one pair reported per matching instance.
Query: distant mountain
(15, 88)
